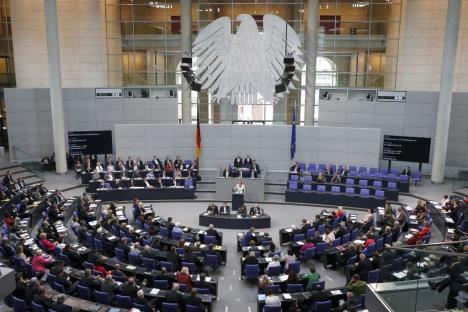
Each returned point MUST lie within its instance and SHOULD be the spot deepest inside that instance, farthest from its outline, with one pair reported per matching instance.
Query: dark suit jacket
(238, 162)
(128, 290)
(173, 296)
(224, 210)
(193, 301)
(255, 210)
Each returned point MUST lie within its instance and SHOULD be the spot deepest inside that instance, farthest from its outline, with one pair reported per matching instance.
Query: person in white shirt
(274, 263)
(289, 258)
(98, 168)
(329, 236)
(239, 188)
(445, 200)
(272, 300)
(110, 167)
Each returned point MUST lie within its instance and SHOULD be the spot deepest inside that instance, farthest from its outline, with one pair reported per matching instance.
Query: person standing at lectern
(224, 209)
(239, 188)
(238, 162)
(256, 210)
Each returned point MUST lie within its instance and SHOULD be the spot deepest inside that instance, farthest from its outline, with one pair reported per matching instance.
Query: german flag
(198, 146)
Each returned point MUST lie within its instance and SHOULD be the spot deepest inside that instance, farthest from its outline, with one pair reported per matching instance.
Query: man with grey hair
(141, 301)
(60, 304)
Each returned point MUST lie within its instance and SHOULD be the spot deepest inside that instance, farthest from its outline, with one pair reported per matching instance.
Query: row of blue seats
(362, 182)
(293, 186)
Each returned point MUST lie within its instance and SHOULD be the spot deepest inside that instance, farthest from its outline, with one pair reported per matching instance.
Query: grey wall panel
(269, 145)
(81, 111)
(415, 117)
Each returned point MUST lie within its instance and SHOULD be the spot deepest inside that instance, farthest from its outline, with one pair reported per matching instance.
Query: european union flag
(293, 136)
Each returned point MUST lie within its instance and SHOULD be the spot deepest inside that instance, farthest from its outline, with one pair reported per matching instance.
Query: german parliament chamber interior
(233, 156)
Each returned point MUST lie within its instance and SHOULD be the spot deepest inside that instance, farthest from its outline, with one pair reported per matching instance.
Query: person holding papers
(239, 188)
(256, 210)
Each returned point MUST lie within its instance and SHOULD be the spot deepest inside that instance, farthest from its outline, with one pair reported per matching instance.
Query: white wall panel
(269, 145)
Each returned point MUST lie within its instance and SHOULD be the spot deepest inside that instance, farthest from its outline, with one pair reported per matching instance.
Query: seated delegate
(243, 168)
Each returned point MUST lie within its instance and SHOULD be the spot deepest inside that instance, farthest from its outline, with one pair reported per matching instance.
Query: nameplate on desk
(130, 267)
(288, 230)
(287, 296)
(261, 297)
(300, 243)
(336, 292)
(283, 277)
(186, 244)
(112, 237)
(268, 259)
(154, 292)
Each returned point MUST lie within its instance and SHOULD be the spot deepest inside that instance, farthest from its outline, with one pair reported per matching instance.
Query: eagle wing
(274, 38)
(211, 51)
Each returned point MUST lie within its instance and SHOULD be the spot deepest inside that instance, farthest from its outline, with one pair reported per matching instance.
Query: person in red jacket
(183, 277)
(425, 230)
(100, 268)
(369, 241)
(340, 212)
(48, 245)
(40, 261)
(415, 240)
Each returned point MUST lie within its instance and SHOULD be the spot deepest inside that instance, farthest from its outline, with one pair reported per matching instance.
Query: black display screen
(404, 148)
(90, 142)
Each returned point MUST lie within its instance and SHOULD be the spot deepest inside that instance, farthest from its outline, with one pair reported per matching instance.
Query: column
(55, 84)
(186, 47)
(444, 106)
(150, 67)
(311, 59)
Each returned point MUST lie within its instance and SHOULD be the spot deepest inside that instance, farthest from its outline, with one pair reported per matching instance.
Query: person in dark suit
(193, 300)
(305, 226)
(129, 164)
(238, 162)
(204, 284)
(227, 172)
(123, 244)
(30, 290)
(140, 164)
(256, 210)
(41, 299)
(157, 163)
(7, 179)
(109, 286)
(247, 162)
(211, 231)
(224, 209)
(173, 295)
(343, 171)
(255, 169)
(129, 288)
(141, 300)
(242, 210)
(212, 209)
(178, 162)
(406, 171)
(90, 281)
(362, 267)
(295, 167)
(62, 279)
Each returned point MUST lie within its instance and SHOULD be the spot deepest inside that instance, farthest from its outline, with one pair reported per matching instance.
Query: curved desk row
(233, 221)
(336, 199)
(126, 194)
